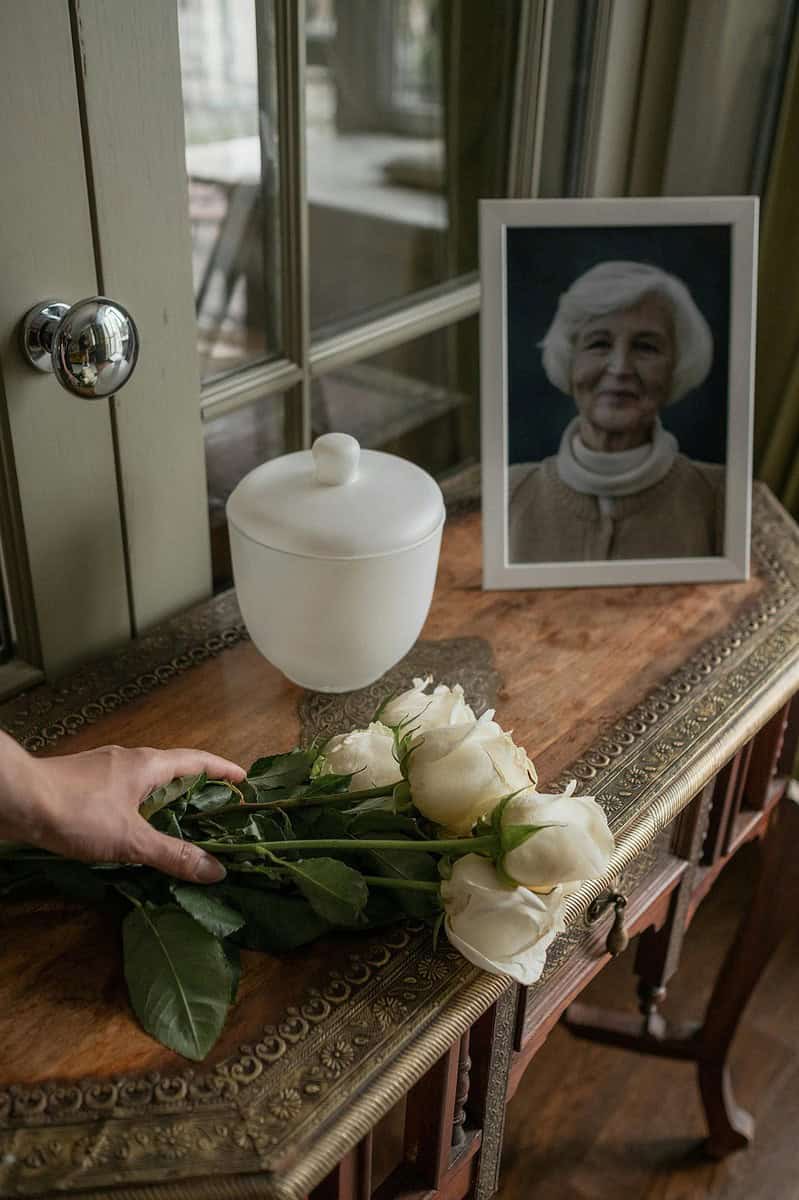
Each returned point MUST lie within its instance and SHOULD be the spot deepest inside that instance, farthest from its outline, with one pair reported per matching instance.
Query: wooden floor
(592, 1123)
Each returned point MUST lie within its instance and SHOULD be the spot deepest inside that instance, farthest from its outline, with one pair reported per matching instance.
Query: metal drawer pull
(618, 939)
(91, 347)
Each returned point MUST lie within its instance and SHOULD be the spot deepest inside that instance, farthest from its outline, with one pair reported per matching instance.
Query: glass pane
(728, 90)
(407, 123)
(234, 444)
(569, 66)
(418, 400)
(230, 104)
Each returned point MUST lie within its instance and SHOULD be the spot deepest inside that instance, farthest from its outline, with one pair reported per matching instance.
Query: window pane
(418, 400)
(567, 98)
(407, 125)
(727, 98)
(234, 444)
(230, 105)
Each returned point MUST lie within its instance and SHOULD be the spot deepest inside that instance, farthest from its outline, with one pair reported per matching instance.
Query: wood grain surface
(572, 662)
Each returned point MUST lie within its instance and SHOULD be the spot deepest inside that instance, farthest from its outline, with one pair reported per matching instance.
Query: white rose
(577, 847)
(366, 754)
(446, 706)
(459, 772)
(503, 930)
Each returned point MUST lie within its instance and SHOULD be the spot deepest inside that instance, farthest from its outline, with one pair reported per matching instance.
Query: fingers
(171, 763)
(175, 857)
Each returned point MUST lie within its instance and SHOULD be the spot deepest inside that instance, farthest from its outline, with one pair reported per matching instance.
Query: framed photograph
(617, 373)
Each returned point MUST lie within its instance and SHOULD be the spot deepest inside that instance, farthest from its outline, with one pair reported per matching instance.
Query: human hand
(85, 806)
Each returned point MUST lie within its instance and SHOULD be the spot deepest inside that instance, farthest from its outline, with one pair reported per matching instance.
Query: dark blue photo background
(543, 262)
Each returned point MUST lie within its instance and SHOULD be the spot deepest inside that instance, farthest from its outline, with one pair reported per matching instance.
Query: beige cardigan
(682, 516)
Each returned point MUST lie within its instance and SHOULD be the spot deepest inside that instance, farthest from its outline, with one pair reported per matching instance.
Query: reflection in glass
(230, 107)
(234, 444)
(407, 125)
(418, 400)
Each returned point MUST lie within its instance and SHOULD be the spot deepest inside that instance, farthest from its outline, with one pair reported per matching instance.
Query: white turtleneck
(607, 474)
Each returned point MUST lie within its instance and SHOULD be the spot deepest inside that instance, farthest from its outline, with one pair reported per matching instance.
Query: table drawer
(581, 952)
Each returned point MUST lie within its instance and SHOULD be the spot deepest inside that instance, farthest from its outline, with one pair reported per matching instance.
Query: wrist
(24, 794)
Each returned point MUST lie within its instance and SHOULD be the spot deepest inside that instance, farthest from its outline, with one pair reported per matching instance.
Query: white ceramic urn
(335, 552)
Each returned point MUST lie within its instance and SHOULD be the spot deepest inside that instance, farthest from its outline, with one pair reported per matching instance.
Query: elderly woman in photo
(626, 341)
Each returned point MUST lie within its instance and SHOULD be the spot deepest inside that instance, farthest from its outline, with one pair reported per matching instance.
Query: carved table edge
(684, 786)
(378, 1098)
(295, 1179)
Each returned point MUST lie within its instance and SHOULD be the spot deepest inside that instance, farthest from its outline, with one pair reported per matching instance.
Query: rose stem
(471, 845)
(346, 798)
(416, 885)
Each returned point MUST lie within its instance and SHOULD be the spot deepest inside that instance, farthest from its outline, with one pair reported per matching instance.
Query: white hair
(611, 286)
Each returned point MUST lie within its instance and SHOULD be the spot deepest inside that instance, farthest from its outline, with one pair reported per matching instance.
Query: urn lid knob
(336, 457)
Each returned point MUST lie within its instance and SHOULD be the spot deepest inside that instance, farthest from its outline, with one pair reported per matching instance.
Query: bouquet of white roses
(428, 813)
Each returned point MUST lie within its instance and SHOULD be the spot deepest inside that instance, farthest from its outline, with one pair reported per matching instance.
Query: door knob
(91, 346)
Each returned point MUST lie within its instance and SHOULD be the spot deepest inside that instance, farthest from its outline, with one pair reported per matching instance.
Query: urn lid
(337, 501)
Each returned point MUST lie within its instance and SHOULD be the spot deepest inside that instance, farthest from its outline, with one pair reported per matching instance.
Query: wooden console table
(669, 703)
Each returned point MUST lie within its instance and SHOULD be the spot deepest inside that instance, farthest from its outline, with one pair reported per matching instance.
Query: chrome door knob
(91, 347)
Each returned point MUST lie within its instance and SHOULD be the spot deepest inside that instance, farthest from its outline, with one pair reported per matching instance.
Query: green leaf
(373, 804)
(209, 909)
(408, 864)
(145, 883)
(328, 784)
(130, 891)
(179, 979)
(241, 826)
(218, 830)
(282, 770)
(10, 880)
(336, 892)
(364, 823)
(259, 875)
(162, 796)
(248, 792)
(198, 784)
(318, 823)
(382, 908)
(275, 923)
(283, 822)
(166, 821)
(210, 797)
(73, 879)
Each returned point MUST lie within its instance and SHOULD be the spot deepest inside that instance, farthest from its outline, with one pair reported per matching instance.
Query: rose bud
(366, 754)
(445, 706)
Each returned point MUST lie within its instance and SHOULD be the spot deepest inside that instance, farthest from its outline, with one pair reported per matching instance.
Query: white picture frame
(593, 219)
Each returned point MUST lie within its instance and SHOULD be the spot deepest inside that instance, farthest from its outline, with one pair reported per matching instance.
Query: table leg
(491, 1048)
(773, 907)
